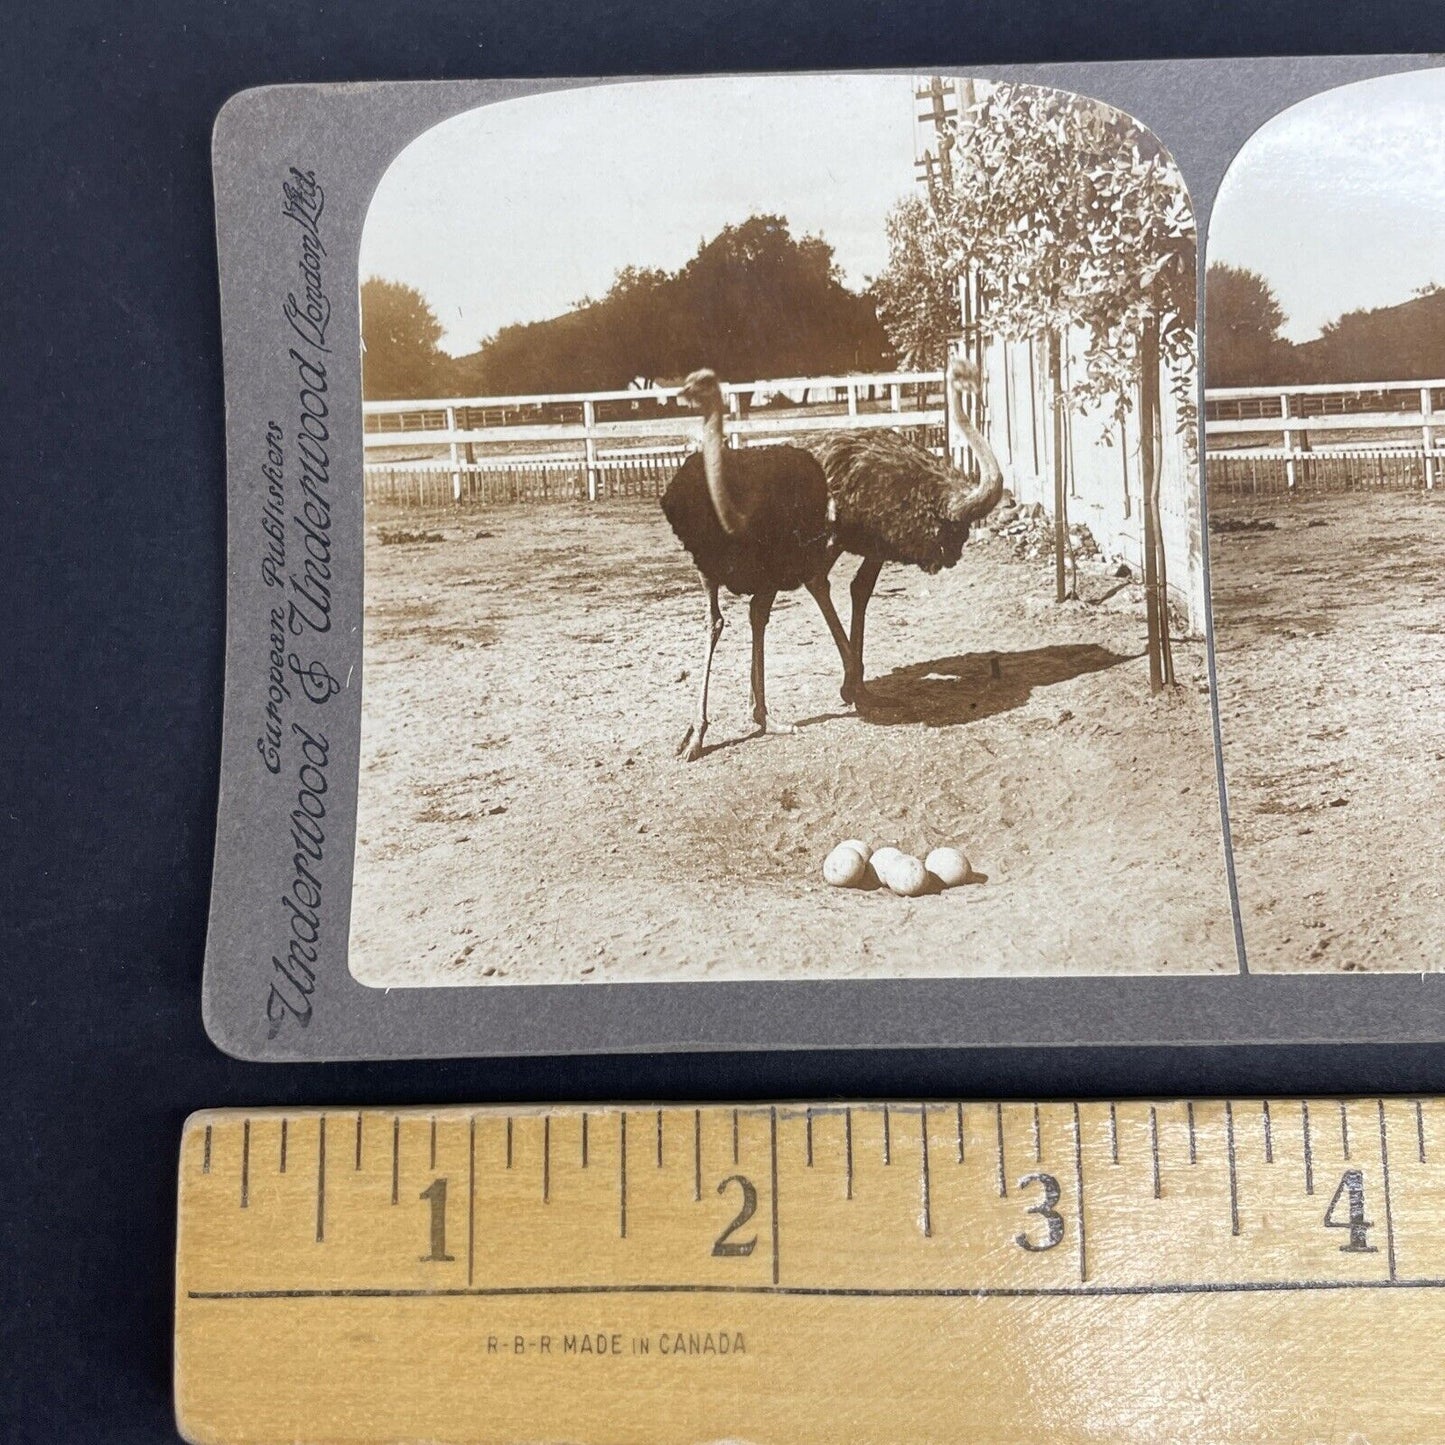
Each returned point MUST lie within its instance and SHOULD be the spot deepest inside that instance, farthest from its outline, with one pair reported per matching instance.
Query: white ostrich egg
(844, 867)
(907, 876)
(860, 845)
(948, 865)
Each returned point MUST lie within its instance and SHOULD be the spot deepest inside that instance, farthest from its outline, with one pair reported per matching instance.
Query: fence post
(735, 411)
(895, 396)
(1289, 466)
(1427, 413)
(455, 454)
(852, 399)
(589, 420)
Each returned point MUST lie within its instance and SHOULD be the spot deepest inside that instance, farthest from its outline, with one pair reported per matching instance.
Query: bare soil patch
(1329, 621)
(523, 818)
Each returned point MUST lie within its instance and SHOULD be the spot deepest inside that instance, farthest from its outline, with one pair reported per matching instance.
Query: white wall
(1104, 480)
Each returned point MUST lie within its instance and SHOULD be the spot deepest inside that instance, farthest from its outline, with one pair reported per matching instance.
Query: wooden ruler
(1184, 1271)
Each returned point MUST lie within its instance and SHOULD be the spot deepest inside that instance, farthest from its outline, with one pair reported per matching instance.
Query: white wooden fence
(1366, 434)
(610, 443)
(598, 445)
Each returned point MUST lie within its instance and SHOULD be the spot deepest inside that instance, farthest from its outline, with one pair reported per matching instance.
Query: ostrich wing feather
(782, 493)
(892, 498)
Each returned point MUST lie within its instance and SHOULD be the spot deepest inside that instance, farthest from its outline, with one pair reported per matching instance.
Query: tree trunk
(1061, 501)
(1156, 585)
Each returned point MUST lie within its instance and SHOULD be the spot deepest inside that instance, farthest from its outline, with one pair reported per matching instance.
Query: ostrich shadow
(971, 686)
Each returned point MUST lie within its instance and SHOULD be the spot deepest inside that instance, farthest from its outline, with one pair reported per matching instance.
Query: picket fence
(596, 445)
(1367, 435)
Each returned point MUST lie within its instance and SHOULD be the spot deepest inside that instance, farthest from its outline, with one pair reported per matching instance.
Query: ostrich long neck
(714, 452)
(984, 497)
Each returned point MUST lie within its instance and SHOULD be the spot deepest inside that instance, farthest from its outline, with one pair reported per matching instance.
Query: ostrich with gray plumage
(755, 521)
(895, 501)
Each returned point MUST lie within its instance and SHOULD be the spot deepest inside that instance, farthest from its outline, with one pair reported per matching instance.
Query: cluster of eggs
(852, 865)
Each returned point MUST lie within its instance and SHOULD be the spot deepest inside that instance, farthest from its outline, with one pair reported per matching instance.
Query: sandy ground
(1330, 641)
(523, 818)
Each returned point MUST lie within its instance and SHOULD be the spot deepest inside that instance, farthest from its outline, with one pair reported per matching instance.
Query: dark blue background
(111, 624)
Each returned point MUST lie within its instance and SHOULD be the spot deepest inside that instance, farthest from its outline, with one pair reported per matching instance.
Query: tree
(1243, 317)
(756, 302)
(753, 302)
(1405, 342)
(1073, 221)
(399, 336)
(917, 296)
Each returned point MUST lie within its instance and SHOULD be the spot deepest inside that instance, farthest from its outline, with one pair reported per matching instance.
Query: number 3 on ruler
(1045, 1210)
(1352, 1187)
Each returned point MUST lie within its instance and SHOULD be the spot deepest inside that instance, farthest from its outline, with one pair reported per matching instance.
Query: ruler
(1209, 1270)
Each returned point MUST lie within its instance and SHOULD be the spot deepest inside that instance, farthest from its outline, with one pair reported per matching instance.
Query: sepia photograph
(784, 550)
(1325, 355)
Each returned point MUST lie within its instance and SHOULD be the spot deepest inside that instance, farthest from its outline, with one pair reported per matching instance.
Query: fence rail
(1378, 434)
(596, 445)
(524, 448)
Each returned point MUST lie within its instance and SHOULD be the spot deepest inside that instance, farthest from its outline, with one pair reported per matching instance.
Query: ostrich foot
(690, 748)
(769, 724)
(855, 691)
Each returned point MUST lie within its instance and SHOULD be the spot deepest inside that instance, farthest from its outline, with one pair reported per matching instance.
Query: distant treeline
(754, 302)
(1243, 345)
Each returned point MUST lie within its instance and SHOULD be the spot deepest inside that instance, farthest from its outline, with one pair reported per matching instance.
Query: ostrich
(894, 501)
(756, 522)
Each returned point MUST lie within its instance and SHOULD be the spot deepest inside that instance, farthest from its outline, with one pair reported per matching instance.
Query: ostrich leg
(852, 689)
(864, 580)
(696, 729)
(759, 610)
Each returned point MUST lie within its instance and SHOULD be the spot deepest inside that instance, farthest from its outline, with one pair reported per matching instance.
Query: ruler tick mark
(1113, 1134)
(471, 1198)
(1419, 1129)
(887, 1137)
(659, 1138)
(1002, 1175)
(1268, 1135)
(958, 1111)
(1154, 1146)
(358, 1140)
(927, 1182)
(1309, 1152)
(810, 1138)
(206, 1154)
(1038, 1139)
(1079, 1196)
(1385, 1175)
(848, 1147)
(1189, 1115)
(509, 1141)
(281, 1163)
(396, 1157)
(773, 1142)
(622, 1172)
(433, 1141)
(735, 1136)
(245, 1164)
(321, 1180)
(546, 1158)
(696, 1155)
(1233, 1178)
(584, 1141)
(1344, 1129)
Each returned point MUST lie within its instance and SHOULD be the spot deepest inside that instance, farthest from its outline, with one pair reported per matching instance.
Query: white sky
(1340, 201)
(515, 211)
